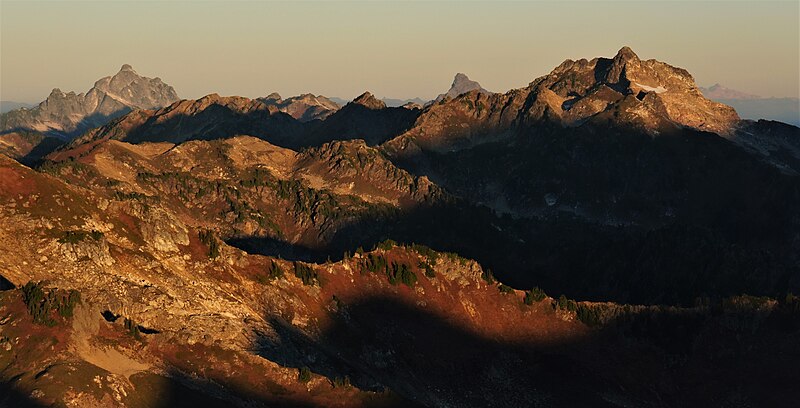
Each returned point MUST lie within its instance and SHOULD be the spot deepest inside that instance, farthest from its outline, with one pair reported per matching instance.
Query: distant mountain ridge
(390, 102)
(7, 106)
(756, 107)
(305, 107)
(718, 91)
(68, 114)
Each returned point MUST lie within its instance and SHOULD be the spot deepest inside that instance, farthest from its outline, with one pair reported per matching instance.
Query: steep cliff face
(68, 114)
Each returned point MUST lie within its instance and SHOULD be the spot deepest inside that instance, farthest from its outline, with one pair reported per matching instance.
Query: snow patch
(658, 90)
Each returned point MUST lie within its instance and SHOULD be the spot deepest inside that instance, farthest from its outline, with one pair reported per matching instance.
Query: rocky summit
(461, 85)
(604, 236)
(68, 114)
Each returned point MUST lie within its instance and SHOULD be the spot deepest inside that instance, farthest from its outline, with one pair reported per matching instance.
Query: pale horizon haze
(393, 49)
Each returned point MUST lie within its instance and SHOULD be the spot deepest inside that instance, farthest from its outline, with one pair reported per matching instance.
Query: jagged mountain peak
(274, 97)
(368, 100)
(651, 96)
(578, 90)
(461, 78)
(461, 85)
(626, 54)
(625, 61)
(68, 114)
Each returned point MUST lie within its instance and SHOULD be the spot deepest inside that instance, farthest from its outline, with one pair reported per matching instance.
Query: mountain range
(750, 106)
(604, 236)
(68, 114)
(6, 106)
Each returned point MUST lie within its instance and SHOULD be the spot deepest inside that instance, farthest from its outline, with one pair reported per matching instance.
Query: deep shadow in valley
(181, 390)
(672, 264)
(384, 343)
(658, 358)
(278, 248)
(636, 218)
(11, 397)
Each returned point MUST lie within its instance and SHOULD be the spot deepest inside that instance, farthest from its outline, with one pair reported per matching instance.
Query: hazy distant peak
(718, 91)
(461, 85)
(126, 67)
(461, 78)
(303, 107)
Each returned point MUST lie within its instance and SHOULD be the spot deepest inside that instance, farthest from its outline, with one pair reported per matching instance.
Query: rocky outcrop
(68, 114)
(352, 167)
(162, 230)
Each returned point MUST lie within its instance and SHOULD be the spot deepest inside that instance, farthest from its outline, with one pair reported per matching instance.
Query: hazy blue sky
(393, 49)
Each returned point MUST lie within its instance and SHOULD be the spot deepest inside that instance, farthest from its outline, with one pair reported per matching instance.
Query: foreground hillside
(164, 312)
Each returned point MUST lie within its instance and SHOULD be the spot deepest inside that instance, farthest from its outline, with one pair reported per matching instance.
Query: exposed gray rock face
(648, 94)
(461, 85)
(68, 114)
